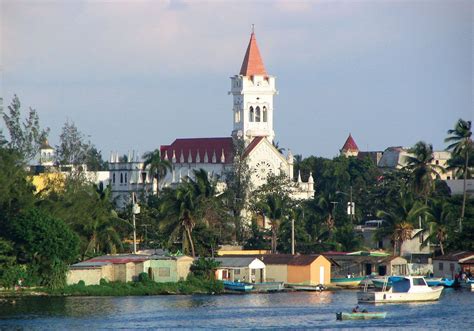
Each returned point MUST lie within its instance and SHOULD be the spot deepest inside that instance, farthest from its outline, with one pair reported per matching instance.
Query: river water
(250, 311)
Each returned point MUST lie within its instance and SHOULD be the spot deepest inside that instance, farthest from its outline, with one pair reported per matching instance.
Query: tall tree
(238, 186)
(460, 145)
(422, 169)
(439, 216)
(180, 215)
(399, 220)
(157, 166)
(273, 207)
(72, 148)
(27, 136)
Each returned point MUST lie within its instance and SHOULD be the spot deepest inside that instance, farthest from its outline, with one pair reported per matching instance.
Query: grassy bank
(191, 286)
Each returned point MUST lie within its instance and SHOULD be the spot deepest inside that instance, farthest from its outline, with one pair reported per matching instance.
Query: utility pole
(352, 206)
(135, 211)
(292, 236)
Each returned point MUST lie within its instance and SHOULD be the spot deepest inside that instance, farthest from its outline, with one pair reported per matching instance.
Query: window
(419, 282)
(451, 266)
(163, 272)
(440, 266)
(121, 178)
(251, 114)
(125, 177)
(144, 177)
(264, 114)
(237, 272)
(113, 178)
(437, 162)
(257, 114)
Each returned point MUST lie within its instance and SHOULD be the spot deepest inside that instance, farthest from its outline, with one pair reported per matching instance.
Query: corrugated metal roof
(282, 258)
(235, 262)
(89, 264)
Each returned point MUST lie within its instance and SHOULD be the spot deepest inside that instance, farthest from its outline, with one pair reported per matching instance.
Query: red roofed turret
(350, 147)
(253, 64)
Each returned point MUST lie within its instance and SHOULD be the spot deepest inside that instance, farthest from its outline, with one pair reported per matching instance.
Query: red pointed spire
(350, 144)
(253, 64)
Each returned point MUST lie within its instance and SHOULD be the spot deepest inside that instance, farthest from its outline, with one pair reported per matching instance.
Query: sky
(134, 75)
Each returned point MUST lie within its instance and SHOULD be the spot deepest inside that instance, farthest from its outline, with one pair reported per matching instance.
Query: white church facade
(253, 92)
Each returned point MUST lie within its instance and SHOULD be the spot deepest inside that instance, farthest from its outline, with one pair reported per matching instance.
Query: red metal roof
(199, 146)
(350, 144)
(253, 64)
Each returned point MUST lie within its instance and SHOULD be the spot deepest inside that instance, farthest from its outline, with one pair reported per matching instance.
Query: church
(252, 91)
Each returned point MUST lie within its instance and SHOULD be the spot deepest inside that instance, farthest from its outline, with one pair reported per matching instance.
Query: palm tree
(399, 220)
(158, 167)
(439, 215)
(460, 139)
(192, 201)
(180, 214)
(272, 207)
(422, 168)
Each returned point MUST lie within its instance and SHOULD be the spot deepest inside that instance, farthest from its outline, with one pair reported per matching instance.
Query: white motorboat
(408, 289)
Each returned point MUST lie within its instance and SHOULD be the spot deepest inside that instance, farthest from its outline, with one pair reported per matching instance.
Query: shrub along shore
(192, 285)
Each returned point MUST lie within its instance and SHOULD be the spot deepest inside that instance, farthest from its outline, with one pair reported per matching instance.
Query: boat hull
(308, 287)
(390, 297)
(360, 316)
(235, 286)
(269, 287)
(347, 282)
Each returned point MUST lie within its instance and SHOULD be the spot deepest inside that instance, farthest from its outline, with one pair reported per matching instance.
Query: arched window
(265, 116)
(125, 177)
(113, 178)
(121, 178)
(257, 114)
(251, 114)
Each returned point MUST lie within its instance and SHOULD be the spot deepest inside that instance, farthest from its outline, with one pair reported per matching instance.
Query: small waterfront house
(90, 272)
(298, 269)
(449, 265)
(169, 268)
(127, 267)
(295, 269)
(363, 263)
(240, 268)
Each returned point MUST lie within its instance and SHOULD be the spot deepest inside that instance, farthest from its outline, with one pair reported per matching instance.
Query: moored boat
(237, 286)
(347, 282)
(380, 282)
(319, 287)
(360, 315)
(468, 283)
(269, 286)
(408, 289)
(438, 281)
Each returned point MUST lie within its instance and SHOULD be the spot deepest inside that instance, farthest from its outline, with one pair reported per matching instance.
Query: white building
(252, 93)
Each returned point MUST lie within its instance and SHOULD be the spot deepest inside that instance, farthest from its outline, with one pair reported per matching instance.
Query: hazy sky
(138, 74)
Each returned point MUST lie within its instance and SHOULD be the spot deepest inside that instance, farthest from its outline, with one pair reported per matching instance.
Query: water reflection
(276, 310)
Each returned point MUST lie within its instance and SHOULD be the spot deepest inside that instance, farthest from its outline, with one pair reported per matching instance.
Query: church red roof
(253, 64)
(350, 144)
(199, 150)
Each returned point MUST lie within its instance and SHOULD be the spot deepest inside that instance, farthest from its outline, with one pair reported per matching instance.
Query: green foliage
(103, 281)
(11, 274)
(27, 136)
(192, 285)
(89, 211)
(45, 243)
(157, 166)
(143, 277)
(16, 192)
(204, 267)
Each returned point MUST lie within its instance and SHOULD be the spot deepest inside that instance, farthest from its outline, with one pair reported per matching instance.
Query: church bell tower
(253, 90)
